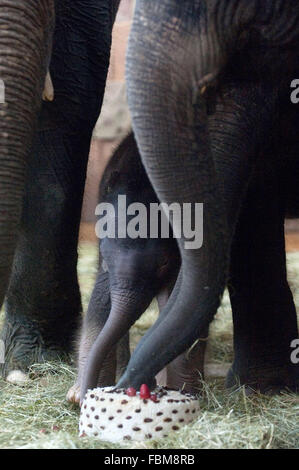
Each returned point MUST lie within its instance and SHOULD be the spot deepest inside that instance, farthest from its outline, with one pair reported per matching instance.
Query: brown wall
(108, 133)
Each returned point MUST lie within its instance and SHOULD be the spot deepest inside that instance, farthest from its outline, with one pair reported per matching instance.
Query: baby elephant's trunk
(127, 306)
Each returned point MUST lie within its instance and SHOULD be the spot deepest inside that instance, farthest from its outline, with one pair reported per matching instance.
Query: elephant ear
(125, 172)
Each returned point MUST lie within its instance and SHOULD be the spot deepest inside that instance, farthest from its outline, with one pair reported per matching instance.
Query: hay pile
(38, 416)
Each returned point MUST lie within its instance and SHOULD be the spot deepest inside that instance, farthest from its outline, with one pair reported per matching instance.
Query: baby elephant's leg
(93, 323)
(122, 355)
(187, 370)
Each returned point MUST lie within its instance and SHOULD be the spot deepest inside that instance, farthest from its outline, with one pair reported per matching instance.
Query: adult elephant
(209, 91)
(43, 301)
(25, 43)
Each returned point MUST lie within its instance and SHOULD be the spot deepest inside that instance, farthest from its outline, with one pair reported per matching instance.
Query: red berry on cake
(144, 391)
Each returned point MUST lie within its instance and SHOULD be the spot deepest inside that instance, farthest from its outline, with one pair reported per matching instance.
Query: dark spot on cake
(127, 438)
(124, 402)
(148, 436)
(128, 417)
(158, 428)
(175, 411)
(160, 413)
(138, 410)
(102, 427)
(167, 420)
(96, 398)
(111, 399)
(102, 399)
(175, 428)
(95, 434)
(120, 426)
(92, 396)
(170, 400)
(90, 425)
(111, 418)
(85, 406)
(103, 410)
(96, 417)
(118, 411)
(193, 411)
(187, 410)
(136, 429)
(145, 401)
(92, 408)
(87, 416)
(181, 420)
(148, 420)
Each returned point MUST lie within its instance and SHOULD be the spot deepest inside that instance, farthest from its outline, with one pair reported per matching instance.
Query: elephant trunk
(25, 42)
(128, 302)
(176, 50)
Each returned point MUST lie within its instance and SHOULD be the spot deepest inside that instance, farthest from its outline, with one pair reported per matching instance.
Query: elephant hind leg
(263, 309)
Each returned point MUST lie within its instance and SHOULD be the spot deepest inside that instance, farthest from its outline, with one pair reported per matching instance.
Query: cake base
(111, 415)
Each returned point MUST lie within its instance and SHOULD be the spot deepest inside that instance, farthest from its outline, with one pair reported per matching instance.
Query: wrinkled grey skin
(220, 59)
(43, 303)
(133, 272)
(26, 29)
(210, 102)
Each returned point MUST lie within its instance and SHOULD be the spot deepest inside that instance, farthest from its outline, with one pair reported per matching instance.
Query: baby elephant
(132, 271)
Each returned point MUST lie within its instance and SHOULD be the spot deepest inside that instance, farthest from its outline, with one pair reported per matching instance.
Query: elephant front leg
(116, 361)
(43, 302)
(263, 309)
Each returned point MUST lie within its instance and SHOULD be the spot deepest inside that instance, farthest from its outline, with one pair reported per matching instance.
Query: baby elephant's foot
(186, 371)
(106, 377)
(73, 395)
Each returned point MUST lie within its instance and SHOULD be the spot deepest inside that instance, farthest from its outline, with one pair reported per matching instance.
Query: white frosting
(114, 416)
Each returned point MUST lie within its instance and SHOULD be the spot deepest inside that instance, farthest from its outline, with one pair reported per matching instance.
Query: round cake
(115, 415)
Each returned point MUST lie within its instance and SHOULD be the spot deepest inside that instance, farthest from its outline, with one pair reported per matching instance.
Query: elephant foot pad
(113, 415)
